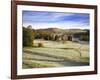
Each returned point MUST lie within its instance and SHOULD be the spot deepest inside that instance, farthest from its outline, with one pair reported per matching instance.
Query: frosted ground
(56, 54)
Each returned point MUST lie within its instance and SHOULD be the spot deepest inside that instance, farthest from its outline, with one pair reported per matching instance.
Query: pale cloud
(68, 25)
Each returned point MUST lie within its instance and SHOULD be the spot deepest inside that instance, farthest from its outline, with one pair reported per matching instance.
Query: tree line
(30, 34)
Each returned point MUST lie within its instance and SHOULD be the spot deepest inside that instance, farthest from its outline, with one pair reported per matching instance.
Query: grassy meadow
(55, 54)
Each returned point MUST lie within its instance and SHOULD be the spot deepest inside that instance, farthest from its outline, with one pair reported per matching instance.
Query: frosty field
(56, 54)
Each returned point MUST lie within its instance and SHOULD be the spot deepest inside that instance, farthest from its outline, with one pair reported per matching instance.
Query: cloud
(50, 19)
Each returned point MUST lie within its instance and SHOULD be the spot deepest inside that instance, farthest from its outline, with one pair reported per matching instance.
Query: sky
(63, 20)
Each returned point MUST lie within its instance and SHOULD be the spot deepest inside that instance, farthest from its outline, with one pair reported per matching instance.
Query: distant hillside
(57, 30)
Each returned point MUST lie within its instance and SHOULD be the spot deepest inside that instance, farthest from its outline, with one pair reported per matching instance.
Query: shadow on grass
(59, 59)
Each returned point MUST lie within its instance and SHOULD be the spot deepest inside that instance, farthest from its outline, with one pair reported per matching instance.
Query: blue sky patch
(43, 19)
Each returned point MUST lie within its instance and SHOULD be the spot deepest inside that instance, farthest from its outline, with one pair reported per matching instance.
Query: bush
(84, 38)
(28, 37)
(40, 45)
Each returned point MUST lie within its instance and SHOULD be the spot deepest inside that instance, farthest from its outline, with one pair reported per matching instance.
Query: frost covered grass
(55, 54)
